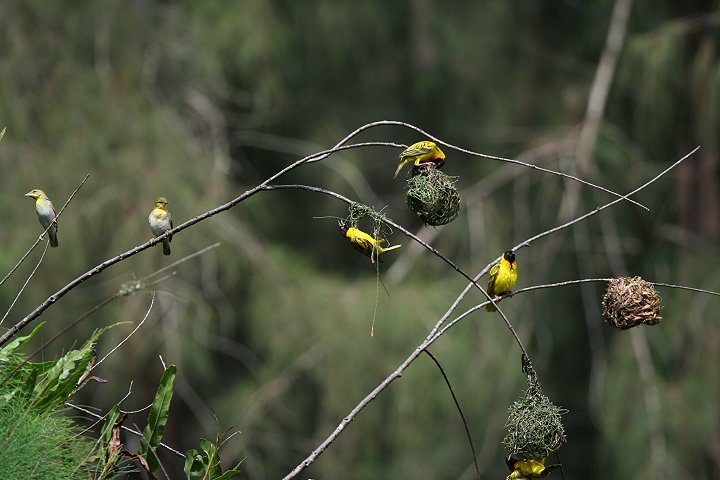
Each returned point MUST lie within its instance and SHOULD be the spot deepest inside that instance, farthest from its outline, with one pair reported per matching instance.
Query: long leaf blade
(157, 419)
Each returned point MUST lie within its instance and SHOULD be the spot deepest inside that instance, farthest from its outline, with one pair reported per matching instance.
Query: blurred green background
(198, 101)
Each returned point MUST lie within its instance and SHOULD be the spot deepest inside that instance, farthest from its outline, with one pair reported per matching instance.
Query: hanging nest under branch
(432, 196)
(534, 424)
(631, 301)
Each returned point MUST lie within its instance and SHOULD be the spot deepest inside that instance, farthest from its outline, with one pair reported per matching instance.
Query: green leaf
(208, 465)
(227, 475)
(194, 464)
(9, 349)
(152, 435)
(60, 381)
(110, 420)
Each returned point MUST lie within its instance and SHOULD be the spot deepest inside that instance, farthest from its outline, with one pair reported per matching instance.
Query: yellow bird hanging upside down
(364, 243)
(420, 154)
(503, 276)
(528, 468)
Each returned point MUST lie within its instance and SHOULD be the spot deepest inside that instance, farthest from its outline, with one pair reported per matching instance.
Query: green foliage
(10, 350)
(56, 384)
(157, 419)
(36, 444)
(36, 439)
(110, 450)
(206, 465)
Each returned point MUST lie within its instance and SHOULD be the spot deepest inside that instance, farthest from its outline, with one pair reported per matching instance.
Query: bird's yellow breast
(506, 277)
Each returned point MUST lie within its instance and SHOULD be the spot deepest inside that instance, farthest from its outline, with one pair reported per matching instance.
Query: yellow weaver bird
(503, 276)
(46, 213)
(528, 468)
(421, 153)
(364, 243)
(161, 222)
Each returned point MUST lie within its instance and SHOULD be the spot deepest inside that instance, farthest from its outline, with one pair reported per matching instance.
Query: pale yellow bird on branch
(161, 222)
(421, 154)
(365, 243)
(46, 213)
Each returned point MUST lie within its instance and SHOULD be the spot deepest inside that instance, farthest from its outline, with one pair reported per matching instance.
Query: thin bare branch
(182, 260)
(503, 159)
(127, 429)
(22, 289)
(152, 302)
(457, 405)
(607, 205)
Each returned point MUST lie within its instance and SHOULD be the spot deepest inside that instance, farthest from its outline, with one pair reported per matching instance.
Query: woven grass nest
(534, 426)
(631, 301)
(432, 196)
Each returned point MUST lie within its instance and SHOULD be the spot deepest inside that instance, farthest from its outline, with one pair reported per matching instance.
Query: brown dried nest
(534, 426)
(432, 196)
(631, 301)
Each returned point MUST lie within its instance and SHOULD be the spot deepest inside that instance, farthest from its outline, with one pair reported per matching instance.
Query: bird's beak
(29, 194)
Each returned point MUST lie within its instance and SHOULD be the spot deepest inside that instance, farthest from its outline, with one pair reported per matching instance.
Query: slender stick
(152, 302)
(457, 405)
(22, 289)
(127, 429)
(603, 207)
(503, 159)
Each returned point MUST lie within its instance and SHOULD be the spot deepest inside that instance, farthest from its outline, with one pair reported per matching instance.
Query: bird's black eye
(510, 256)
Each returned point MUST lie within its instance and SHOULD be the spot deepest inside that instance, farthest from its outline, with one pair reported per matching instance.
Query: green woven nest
(534, 426)
(432, 196)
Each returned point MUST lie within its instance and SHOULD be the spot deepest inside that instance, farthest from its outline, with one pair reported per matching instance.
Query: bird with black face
(503, 276)
(528, 468)
(364, 243)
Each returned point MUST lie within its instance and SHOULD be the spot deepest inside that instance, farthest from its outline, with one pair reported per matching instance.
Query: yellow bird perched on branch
(528, 468)
(421, 153)
(503, 276)
(46, 213)
(364, 243)
(161, 222)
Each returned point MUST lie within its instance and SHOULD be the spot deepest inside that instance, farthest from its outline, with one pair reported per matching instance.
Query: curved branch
(503, 159)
